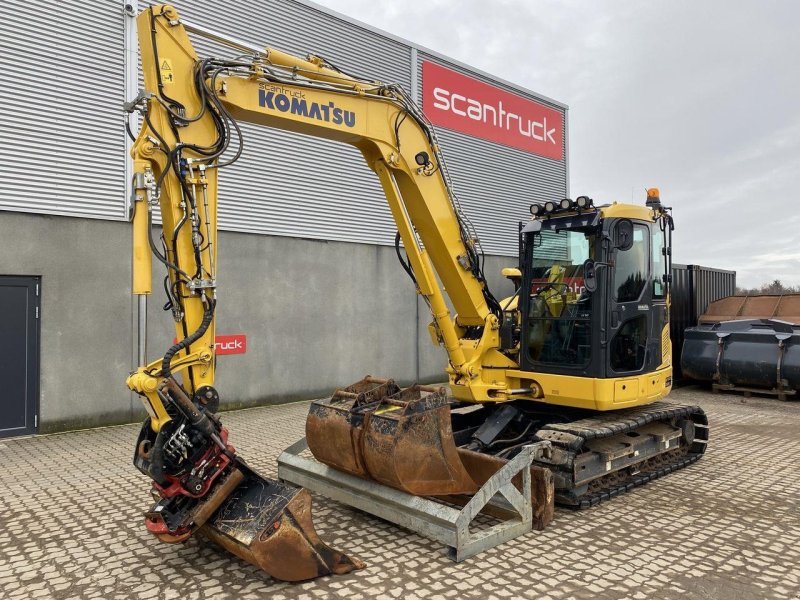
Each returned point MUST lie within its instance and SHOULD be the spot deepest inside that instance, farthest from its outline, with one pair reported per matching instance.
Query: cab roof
(627, 211)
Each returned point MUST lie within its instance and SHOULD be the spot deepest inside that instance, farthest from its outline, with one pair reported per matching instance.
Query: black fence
(693, 288)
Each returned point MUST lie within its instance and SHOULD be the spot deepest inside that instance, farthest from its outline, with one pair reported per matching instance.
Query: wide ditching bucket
(784, 307)
(753, 355)
(747, 344)
(400, 438)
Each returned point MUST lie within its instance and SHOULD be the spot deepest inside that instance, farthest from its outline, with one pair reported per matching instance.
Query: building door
(19, 355)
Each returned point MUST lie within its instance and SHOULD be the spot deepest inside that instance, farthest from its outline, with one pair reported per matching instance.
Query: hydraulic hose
(208, 317)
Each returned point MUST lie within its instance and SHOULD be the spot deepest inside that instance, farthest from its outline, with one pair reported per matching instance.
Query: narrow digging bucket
(400, 438)
(334, 425)
(408, 444)
(269, 524)
(263, 521)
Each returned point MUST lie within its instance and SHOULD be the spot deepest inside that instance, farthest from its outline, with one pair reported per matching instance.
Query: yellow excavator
(578, 357)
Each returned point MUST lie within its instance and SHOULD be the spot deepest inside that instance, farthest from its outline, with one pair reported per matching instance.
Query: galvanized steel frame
(427, 516)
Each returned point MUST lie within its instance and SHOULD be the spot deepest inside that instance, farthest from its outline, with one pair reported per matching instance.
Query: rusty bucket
(268, 523)
(334, 425)
(408, 444)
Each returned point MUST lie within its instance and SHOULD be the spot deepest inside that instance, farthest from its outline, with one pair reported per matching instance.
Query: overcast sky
(698, 98)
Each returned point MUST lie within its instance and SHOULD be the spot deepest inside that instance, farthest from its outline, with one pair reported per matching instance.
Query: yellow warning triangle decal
(166, 66)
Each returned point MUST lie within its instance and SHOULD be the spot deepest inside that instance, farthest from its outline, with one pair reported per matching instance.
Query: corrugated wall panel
(290, 184)
(496, 184)
(711, 284)
(63, 149)
(62, 145)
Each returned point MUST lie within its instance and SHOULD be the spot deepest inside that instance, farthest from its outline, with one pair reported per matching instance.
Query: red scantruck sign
(458, 102)
(228, 344)
(575, 284)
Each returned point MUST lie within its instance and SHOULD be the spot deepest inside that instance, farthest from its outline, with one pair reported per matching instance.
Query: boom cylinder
(142, 261)
(142, 267)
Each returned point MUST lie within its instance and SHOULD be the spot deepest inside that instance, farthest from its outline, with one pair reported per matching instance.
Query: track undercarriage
(603, 455)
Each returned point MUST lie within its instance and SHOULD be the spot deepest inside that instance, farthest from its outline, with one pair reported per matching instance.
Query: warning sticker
(167, 74)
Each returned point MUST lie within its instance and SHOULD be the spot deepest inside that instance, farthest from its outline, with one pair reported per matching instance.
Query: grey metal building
(307, 271)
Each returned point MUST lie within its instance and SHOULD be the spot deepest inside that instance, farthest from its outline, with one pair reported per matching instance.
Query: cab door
(637, 307)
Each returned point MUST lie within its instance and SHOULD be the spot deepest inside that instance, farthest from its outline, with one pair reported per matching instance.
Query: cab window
(628, 348)
(559, 307)
(659, 262)
(631, 272)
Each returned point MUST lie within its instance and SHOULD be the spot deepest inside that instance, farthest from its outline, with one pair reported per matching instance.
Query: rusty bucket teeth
(400, 438)
(334, 425)
(269, 524)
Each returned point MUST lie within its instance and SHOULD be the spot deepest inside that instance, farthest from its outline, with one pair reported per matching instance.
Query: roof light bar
(564, 205)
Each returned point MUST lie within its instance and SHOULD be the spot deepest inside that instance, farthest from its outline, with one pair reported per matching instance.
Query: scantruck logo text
(228, 344)
(455, 101)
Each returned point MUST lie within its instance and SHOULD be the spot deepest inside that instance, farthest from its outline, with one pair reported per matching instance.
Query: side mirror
(623, 235)
(589, 275)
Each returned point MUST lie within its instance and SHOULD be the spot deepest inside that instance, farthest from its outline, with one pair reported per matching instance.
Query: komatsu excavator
(579, 356)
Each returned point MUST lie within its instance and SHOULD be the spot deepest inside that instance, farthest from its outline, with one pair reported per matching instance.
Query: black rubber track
(617, 422)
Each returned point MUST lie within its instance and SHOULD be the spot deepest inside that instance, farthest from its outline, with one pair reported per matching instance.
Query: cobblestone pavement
(726, 527)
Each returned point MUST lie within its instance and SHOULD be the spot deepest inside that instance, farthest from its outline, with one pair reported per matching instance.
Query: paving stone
(726, 527)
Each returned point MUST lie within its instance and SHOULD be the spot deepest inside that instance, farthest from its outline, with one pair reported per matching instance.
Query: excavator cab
(594, 293)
